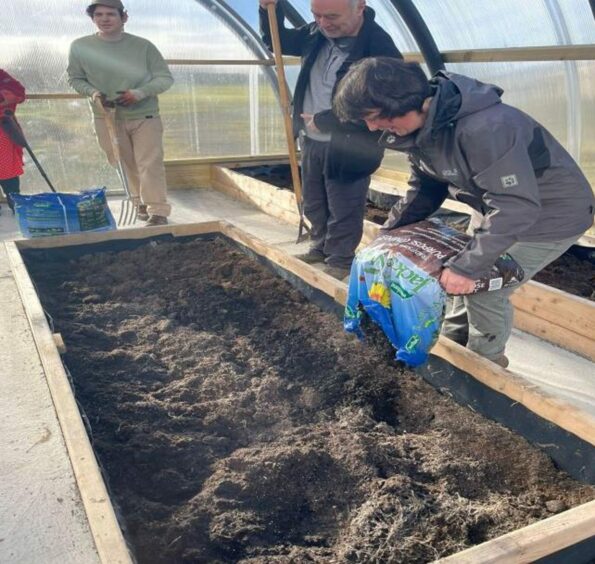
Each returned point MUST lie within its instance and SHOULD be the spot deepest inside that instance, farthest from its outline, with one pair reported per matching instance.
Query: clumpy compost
(237, 422)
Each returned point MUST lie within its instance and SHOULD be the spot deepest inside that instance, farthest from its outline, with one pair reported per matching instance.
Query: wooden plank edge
(581, 52)
(256, 189)
(556, 334)
(574, 313)
(532, 542)
(518, 389)
(107, 535)
(76, 239)
(223, 180)
(235, 160)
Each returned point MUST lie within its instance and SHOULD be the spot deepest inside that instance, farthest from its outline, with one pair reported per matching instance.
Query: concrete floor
(41, 516)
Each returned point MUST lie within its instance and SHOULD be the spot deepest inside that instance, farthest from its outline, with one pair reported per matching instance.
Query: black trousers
(335, 209)
(11, 186)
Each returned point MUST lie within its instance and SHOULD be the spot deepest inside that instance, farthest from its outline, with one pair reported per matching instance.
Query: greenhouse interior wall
(233, 109)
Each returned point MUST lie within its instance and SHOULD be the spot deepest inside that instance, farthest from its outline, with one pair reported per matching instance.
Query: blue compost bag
(395, 280)
(57, 213)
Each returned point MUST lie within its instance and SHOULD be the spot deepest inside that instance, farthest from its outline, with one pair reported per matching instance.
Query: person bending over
(529, 197)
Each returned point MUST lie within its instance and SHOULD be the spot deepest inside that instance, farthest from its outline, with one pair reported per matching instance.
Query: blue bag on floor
(395, 280)
(58, 213)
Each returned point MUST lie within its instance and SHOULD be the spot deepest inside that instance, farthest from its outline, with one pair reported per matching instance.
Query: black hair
(388, 86)
(91, 10)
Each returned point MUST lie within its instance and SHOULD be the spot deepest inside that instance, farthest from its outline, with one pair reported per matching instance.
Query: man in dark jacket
(337, 159)
(529, 197)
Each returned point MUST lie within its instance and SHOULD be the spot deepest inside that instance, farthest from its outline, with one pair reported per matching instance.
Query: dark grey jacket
(354, 151)
(520, 181)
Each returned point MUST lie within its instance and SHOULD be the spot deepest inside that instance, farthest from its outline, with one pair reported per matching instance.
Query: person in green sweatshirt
(115, 67)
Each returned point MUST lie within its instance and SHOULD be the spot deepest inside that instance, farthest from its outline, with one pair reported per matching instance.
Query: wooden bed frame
(547, 537)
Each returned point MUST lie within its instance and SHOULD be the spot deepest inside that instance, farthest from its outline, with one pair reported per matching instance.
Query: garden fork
(128, 207)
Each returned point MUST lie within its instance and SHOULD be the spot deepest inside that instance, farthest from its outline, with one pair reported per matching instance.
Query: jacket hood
(460, 96)
(454, 97)
(457, 96)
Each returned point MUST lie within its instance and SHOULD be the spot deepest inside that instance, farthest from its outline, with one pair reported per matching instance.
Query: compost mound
(237, 422)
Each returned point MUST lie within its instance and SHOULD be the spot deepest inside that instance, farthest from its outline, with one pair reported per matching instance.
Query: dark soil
(568, 273)
(277, 175)
(571, 274)
(237, 422)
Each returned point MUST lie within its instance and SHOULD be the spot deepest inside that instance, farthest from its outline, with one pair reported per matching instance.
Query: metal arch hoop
(293, 15)
(245, 33)
(422, 35)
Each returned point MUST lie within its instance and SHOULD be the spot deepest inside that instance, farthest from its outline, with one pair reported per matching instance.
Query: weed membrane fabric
(237, 422)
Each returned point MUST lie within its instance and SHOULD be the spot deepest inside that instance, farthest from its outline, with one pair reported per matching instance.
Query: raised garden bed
(546, 312)
(573, 272)
(237, 422)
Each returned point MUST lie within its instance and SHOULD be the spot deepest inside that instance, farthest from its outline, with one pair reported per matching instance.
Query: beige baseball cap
(117, 4)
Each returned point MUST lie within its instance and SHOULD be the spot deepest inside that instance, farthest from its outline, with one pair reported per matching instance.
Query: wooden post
(286, 109)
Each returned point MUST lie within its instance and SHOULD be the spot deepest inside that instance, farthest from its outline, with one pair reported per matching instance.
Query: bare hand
(99, 98)
(126, 98)
(7, 98)
(456, 284)
(309, 123)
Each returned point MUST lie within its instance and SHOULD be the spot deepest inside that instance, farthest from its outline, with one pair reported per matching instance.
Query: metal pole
(421, 34)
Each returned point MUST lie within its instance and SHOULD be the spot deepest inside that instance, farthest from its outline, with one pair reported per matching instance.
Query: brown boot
(142, 213)
(502, 361)
(337, 272)
(156, 220)
(311, 257)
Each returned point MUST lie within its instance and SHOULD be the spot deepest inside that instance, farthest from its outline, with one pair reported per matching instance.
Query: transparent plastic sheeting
(210, 111)
(558, 94)
(36, 35)
(231, 110)
(486, 24)
(492, 24)
(542, 90)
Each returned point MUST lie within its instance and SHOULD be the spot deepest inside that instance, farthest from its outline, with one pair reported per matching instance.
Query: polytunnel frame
(435, 60)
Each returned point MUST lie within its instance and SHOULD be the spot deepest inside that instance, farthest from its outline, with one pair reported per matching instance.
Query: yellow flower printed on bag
(381, 294)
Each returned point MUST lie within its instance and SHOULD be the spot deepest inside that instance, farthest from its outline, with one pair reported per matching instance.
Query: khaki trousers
(141, 151)
(483, 321)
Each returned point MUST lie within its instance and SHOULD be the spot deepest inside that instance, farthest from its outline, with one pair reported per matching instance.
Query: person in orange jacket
(12, 92)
